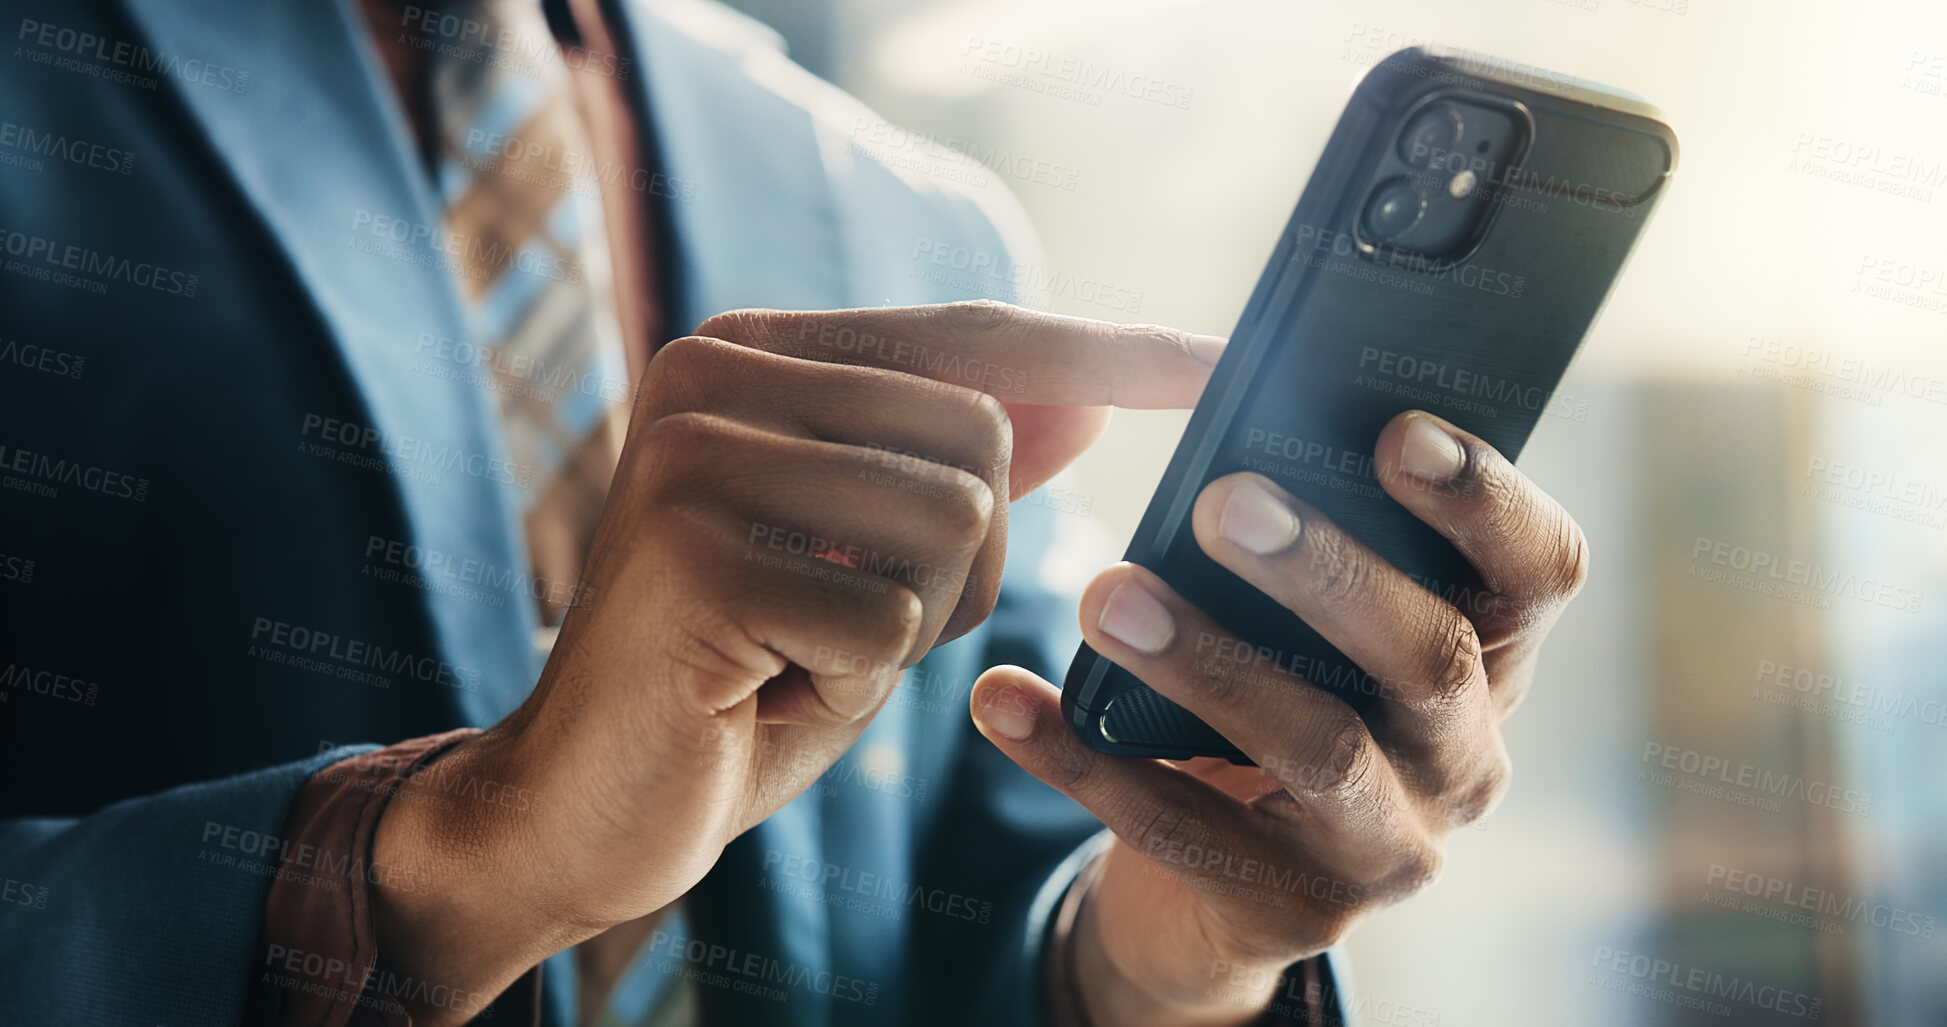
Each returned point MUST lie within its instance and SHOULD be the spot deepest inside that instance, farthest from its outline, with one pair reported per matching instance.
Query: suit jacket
(255, 511)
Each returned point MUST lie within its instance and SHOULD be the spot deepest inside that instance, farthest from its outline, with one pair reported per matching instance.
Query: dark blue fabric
(210, 535)
(146, 911)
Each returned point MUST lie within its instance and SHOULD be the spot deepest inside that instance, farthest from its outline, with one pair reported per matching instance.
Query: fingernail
(1133, 617)
(1429, 453)
(1207, 348)
(1256, 520)
(1005, 711)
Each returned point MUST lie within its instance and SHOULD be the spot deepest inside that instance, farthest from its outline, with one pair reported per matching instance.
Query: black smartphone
(1450, 251)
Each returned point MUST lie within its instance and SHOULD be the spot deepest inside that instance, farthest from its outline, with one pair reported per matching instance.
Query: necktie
(523, 207)
(528, 244)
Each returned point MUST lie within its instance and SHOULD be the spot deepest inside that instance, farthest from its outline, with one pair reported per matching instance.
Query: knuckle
(1071, 769)
(1560, 562)
(1452, 657)
(1553, 544)
(1335, 569)
(1337, 755)
(1220, 683)
(890, 634)
(994, 429)
(973, 609)
(1144, 337)
(679, 365)
(1335, 928)
(973, 317)
(966, 508)
(666, 378)
(1505, 511)
(666, 442)
(904, 618)
(736, 325)
(689, 353)
(1495, 778)
(715, 653)
(680, 433)
(836, 702)
(1420, 865)
(1472, 796)
(1573, 567)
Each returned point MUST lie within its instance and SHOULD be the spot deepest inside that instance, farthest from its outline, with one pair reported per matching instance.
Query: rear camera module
(1432, 132)
(1430, 196)
(1394, 208)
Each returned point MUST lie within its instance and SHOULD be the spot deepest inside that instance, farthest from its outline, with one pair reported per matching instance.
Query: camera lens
(1432, 132)
(1393, 210)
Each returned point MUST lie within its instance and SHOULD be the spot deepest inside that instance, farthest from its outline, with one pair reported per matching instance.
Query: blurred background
(1767, 383)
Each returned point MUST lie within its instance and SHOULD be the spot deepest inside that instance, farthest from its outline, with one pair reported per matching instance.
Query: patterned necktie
(523, 207)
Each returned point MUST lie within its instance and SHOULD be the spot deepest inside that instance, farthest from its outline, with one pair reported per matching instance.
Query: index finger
(1012, 353)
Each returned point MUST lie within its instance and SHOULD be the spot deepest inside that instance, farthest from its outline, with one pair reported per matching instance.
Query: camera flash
(1462, 185)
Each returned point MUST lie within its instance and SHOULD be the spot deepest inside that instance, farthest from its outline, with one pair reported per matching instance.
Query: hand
(1221, 875)
(805, 504)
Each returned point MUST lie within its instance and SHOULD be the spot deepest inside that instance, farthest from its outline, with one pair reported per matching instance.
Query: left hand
(1223, 875)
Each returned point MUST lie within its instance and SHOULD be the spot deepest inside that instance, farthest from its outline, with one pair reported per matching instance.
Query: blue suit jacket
(224, 417)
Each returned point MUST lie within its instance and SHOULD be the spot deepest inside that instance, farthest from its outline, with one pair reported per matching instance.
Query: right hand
(806, 504)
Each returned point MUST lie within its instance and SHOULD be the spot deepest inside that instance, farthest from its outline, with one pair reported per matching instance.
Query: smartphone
(1451, 250)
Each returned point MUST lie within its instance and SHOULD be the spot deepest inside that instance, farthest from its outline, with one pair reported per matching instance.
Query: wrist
(459, 891)
(1113, 990)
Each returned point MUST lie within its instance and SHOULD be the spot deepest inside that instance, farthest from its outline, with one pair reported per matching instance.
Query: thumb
(1021, 714)
(1136, 798)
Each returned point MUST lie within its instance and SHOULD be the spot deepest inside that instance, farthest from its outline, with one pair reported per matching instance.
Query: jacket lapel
(753, 215)
(755, 224)
(317, 144)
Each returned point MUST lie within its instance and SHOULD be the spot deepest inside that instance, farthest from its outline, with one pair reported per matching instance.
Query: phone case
(1340, 336)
